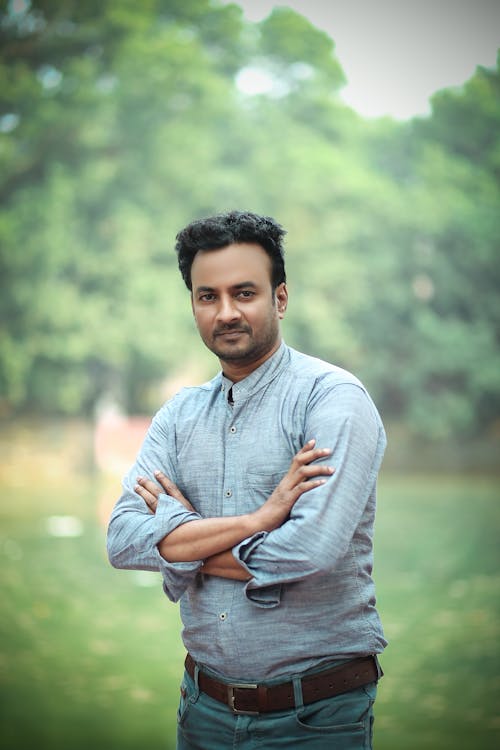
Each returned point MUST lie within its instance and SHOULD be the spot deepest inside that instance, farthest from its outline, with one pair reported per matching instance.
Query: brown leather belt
(246, 698)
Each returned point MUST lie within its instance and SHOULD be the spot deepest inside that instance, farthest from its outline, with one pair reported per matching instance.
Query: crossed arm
(211, 539)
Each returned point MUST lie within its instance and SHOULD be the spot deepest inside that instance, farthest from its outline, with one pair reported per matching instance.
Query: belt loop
(380, 671)
(196, 693)
(297, 693)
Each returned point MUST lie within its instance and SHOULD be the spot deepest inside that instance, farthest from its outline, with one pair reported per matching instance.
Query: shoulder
(329, 388)
(319, 372)
(190, 398)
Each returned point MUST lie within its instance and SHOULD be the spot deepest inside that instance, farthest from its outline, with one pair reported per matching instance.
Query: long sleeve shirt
(311, 597)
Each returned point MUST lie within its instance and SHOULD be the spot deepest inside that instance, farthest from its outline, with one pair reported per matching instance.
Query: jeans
(344, 722)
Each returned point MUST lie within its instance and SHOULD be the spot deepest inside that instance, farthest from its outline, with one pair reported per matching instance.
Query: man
(254, 495)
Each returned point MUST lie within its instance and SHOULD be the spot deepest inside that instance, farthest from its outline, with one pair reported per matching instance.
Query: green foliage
(121, 121)
(466, 121)
(96, 653)
(290, 39)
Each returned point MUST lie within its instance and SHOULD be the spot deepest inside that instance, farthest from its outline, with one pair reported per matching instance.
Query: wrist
(251, 523)
(263, 519)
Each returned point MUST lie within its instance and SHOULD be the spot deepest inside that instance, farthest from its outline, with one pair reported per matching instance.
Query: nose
(227, 311)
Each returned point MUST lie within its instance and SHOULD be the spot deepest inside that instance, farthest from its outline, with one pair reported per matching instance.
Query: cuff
(177, 576)
(170, 514)
(261, 590)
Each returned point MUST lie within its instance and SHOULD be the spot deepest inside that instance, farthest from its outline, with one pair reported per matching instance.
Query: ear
(192, 308)
(281, 293)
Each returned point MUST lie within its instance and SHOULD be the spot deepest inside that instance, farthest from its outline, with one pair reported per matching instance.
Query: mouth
(229, 335)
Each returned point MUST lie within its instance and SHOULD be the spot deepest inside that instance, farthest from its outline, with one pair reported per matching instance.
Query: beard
(238, 342)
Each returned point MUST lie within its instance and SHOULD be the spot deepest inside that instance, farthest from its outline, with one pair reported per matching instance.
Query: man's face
(234, 306)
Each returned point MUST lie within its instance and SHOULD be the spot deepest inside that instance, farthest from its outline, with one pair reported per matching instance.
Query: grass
(439, 595)
(91, 657)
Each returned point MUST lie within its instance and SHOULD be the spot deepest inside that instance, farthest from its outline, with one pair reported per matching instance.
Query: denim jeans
(344, 722)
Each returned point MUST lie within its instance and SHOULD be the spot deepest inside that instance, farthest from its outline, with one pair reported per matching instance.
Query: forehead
(231, 265)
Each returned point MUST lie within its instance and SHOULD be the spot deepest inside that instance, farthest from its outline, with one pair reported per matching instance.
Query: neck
(236, 371)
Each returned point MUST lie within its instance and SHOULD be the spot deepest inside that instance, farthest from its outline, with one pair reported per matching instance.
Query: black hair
(221, 230)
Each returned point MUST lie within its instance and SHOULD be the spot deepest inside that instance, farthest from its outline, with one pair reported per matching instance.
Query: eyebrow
(241, 285)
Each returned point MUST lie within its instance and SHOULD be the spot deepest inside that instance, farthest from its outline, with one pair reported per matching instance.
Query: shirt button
(232, 429)
(228, 493)
(223, 616)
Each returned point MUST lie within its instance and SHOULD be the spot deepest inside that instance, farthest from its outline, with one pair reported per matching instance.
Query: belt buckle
(231, 697)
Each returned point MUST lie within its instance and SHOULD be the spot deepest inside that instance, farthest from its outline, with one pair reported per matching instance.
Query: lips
(230, 332)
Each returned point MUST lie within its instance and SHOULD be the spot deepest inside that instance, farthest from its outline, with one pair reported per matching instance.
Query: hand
(301, 477)
(150, 491)
(225, 566)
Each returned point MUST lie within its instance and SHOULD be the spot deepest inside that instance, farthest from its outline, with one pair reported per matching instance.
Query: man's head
(233, 227)
(233, 265)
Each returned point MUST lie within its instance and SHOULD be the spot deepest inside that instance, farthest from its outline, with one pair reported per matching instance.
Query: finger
(306, 486)
(307, 473)
(308, 446)
(314, 470)
(308, 456)
(148, 497)
(167, 484)
(172, 489)
(149, 485)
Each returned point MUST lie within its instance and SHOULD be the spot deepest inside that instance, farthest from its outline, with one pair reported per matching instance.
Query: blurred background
(119, 123)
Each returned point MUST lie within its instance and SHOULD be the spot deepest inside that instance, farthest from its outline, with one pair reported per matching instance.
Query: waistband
(252, 698)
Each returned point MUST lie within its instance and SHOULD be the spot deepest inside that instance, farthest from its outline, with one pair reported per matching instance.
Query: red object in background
(117, 440)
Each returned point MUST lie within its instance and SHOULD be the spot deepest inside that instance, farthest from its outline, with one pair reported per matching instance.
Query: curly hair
(221, 230)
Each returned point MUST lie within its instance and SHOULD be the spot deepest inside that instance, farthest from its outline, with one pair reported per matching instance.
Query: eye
(246, 293)
(207, 297)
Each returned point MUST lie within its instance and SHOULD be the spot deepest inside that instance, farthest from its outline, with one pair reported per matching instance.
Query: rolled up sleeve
(134, 531)
(133, 536)
(176, 576)
(324, 520)
(262, 593)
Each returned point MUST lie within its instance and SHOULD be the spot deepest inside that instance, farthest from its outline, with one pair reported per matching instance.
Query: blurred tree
(101, 152)
(437, 327)
(299, 50)
(466, 120)
(121, 121)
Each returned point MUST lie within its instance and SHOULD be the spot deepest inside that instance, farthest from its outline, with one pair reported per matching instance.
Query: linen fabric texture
(311, 598)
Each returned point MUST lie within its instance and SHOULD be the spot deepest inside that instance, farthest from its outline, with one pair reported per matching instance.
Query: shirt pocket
(262, 483)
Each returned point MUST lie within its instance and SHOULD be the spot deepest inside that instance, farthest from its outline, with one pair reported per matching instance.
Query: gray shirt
(311, 598)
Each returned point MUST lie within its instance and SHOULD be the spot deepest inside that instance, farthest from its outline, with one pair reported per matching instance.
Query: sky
(397, 53)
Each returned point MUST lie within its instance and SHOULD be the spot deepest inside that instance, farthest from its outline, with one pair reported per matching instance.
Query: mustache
(231, 328)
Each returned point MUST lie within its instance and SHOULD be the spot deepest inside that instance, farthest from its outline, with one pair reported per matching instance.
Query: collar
(259, 377)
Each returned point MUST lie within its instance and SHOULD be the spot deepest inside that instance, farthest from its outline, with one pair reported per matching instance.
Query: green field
(91, 656)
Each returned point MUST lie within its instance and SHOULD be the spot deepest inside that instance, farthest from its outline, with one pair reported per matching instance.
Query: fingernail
(157, 473)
